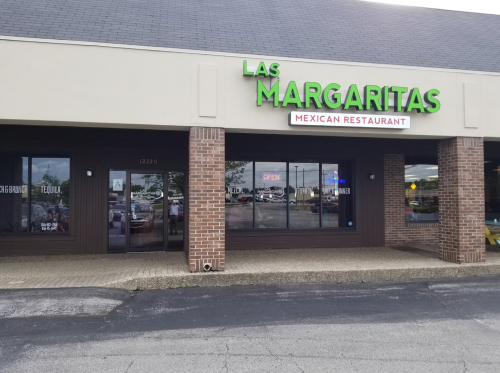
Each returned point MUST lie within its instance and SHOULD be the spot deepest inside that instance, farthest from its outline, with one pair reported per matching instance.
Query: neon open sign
(271, 177)
(331, 180)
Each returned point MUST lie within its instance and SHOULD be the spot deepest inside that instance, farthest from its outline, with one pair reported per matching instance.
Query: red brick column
(206, 199)
(397, 231)
(394, 197)
(461, 200)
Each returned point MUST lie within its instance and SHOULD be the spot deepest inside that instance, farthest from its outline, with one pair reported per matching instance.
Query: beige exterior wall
(85, 84)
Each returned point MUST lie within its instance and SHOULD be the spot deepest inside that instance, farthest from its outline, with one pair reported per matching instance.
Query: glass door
(145, 212)
(176, 210)
(136, 211)
(117, 211)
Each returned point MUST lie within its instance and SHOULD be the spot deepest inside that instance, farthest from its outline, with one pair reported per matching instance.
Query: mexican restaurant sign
(371, 97)
(301, 118)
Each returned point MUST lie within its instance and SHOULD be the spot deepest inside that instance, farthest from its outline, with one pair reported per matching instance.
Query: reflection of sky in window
(421, 171)
(307, 174)
(246, 177)
(58, 167)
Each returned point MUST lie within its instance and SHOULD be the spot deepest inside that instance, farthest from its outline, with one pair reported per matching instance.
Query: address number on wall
(148, 161)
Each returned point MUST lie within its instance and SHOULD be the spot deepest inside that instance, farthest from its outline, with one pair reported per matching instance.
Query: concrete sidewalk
(257, 267)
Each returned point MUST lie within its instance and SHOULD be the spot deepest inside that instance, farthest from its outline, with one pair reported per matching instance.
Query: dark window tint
(337, 192)
(13, 193)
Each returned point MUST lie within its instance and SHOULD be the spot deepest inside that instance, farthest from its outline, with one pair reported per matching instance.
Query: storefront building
(301, 147)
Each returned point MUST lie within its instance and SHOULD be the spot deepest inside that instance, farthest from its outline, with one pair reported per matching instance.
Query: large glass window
(304, 195)
(421, 193)
(13, 193)
(337, 192)
(34, 194)
(295, 195)
(270, 187)
(239, 194)
(492, 191)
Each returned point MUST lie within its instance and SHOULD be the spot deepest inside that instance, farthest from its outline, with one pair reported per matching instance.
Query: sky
(476, 6)
(420, 171)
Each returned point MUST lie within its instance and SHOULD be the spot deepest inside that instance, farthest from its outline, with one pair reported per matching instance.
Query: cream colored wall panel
(472, 104)
(490, 89)
(207, 90)
(90, 84)
(217, 63)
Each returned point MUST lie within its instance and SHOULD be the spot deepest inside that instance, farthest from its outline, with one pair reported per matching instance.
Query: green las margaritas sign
(375, 97)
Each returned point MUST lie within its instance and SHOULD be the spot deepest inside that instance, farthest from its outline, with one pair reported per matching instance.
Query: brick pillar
(461, 200)
(394, 198)
(206, 199)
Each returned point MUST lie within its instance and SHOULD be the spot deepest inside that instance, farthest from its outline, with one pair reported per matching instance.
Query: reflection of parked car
(414, 203)
(53, 208)
(245, 199)
(265, 197)
(328, 208)
(38, 216)
(142, 221)
(118, 211)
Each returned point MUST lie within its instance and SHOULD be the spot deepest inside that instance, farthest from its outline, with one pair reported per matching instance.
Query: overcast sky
(476, 6)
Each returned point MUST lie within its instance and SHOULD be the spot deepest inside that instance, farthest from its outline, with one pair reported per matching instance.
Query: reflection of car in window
(328, 208)
(246, 198)
(141, 221)
(118, 211)
(38, 217)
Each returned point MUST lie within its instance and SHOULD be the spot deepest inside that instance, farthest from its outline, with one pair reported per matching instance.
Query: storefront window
(421, 193)
(492, 191)
(41, 207)
(239, 194)
(270, 195)
(337, 192)
(304, 195)
(13, 193)
(294, 195)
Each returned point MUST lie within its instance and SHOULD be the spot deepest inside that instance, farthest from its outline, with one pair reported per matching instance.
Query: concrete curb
(282, 278)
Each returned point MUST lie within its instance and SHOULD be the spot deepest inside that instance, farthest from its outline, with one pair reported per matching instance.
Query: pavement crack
(445, 307)
(276, 357)
(226, 355)
(349, 361)
(131, 363)
(465, 366)
(299, 368)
